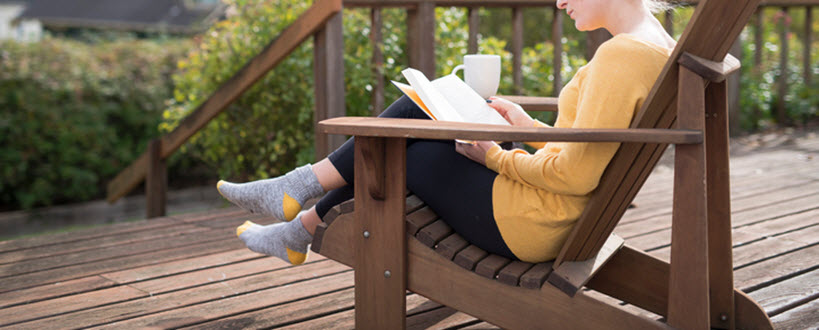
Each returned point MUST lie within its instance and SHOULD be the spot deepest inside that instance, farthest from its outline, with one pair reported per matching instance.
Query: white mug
(482, 73)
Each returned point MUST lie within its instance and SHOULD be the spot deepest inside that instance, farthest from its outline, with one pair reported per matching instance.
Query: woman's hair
(657, 6)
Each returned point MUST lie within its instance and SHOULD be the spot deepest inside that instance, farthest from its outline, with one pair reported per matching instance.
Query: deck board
(783, 295)
(189, 270)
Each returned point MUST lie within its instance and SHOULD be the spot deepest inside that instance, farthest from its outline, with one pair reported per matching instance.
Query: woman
(511, 203)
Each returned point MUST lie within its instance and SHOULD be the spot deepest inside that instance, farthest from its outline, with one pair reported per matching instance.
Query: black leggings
(456, 188)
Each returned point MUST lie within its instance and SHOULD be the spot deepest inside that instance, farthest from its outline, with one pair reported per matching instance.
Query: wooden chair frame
(694, 290)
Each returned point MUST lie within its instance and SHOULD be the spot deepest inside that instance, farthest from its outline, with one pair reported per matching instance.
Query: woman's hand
(476, 152)
(511, 111)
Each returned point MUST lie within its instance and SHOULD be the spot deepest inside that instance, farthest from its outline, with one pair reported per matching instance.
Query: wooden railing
(422, 57)
(323, 21)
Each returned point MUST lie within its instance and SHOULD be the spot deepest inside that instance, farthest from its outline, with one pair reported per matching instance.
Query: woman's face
(588, 15)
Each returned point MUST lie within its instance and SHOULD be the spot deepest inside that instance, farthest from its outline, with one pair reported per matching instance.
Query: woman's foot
(286, 240)
(282, 197)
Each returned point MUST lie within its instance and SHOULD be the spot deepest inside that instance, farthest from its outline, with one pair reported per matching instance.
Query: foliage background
(269, 129)
(75, 113)
(758, 91)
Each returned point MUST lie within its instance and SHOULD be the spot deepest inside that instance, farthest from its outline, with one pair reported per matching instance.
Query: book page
(412, 95)
(471, 106)
(410, 92)
(432, 98)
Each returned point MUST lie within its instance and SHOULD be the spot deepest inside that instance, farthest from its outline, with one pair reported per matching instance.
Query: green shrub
(759, 83)
(74, 115)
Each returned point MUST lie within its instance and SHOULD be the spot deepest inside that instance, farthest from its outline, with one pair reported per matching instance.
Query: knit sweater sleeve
(538, 145)
(608, 95)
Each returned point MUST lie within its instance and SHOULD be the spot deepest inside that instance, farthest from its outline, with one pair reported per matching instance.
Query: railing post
(733, 82)
(782, 83)
(156, 182)
(377, 41)
(758, 38)
(594, 39)
(474, 23)
(328, 53)
(557, 44)
(517, 49)
(757, 112)
(806, 45)
(421, 38)
(668, 22)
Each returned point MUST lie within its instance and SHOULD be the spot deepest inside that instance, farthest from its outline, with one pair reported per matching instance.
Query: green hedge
(75, 114)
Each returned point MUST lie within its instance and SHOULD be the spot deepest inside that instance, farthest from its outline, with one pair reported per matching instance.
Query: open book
(448, 98)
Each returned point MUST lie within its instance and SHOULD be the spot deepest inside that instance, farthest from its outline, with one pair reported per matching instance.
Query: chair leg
(688, 297)
(720, 258)
(379, 235)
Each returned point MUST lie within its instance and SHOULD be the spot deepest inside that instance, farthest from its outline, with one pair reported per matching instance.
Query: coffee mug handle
(459, 67)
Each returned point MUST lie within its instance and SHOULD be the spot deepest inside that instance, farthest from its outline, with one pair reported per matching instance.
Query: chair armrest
(533, 103)
(444, 130)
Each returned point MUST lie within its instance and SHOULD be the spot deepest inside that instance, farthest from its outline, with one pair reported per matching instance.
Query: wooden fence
(323, 21)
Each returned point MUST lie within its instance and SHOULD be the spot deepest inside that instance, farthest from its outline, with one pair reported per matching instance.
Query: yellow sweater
(538, 197)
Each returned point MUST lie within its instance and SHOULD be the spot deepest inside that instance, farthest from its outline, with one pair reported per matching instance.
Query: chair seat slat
(536, 276)
(433, 233)
(451, 245)
(340, 209)
(414, 204)
(436, 234)
(470, 256)
(419, 219)
(490, 266)
(510, 275)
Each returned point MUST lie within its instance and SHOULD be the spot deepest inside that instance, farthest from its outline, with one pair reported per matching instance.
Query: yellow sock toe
(218, 185)
(296, 258)
(241, 229)
(290, 207)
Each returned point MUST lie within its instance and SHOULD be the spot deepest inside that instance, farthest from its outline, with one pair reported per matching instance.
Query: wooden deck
(190, 270)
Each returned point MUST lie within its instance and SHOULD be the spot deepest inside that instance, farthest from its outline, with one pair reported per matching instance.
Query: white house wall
(7, 14)
(29, 30)
(26, 30)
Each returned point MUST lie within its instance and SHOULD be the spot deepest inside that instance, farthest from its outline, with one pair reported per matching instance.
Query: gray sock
(282, 197)
(286, 240)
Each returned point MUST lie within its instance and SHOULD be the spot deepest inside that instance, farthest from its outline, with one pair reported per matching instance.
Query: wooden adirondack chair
(694, 290)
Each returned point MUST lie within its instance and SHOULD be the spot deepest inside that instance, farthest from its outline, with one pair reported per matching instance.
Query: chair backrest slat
(709, 34)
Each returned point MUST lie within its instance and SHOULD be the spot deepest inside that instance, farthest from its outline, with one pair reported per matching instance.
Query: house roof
(175, 16)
